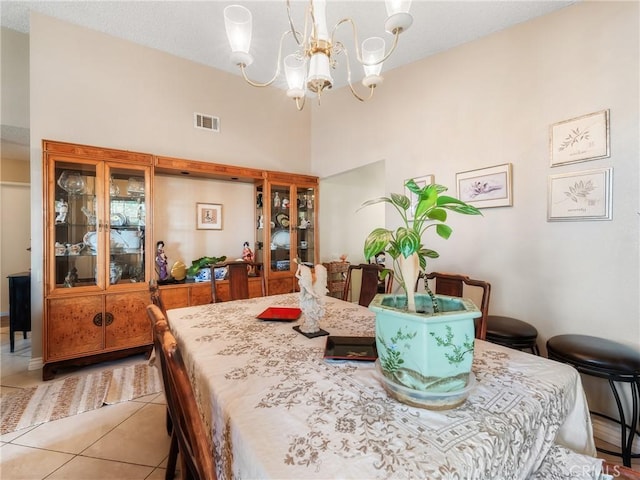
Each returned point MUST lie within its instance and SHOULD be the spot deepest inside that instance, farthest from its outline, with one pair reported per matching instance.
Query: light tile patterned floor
(125, 441)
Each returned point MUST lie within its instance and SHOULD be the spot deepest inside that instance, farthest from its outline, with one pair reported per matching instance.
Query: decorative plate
(118, 220)
(281, 239)
(281, 314)
(351, 348)
(282, 219)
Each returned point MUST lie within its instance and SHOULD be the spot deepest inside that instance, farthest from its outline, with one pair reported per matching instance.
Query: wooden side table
(19, 305)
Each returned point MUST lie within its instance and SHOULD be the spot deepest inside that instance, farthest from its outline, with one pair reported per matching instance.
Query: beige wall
(90, 88)
(485, 103)
(174, 219)
(491, 102)
(14, 170)
(14, 76)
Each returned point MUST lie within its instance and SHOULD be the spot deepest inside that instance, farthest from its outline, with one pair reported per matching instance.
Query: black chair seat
(594, 353)
(510, 328)
(511, 332)
(617, 363)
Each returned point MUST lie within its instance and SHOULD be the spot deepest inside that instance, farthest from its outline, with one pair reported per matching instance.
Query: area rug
(71, 396)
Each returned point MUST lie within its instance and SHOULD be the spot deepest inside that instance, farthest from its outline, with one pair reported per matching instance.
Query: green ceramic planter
(426, 351)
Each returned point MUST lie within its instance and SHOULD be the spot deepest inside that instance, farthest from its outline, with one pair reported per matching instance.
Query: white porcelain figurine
(313, 290)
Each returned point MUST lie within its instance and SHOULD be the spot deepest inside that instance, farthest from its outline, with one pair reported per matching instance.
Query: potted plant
(424, 341)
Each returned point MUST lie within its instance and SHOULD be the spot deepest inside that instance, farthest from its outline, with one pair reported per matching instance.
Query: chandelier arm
(293, 28)
(299, 105)
(356, 42)
(266, 84)
(353, 90)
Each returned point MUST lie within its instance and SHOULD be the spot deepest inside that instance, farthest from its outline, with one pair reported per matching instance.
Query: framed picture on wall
(208, 216)
(421, 182)
(582, 195)
(486, 187)
(580, 139)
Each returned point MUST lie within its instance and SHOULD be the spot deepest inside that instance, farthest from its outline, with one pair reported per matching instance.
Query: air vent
(206, 122)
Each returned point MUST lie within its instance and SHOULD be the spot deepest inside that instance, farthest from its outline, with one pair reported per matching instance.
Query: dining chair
(156, 299)
(238, 273)
(375, 279)
(453, 284)
(188, 435)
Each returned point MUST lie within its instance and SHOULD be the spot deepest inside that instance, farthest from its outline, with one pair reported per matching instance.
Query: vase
(428, 353)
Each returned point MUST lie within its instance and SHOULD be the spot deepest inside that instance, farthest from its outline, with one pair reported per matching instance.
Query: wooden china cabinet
(286, 227)
(97, 205)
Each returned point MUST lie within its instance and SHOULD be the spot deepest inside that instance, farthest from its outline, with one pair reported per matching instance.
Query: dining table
(276, 408)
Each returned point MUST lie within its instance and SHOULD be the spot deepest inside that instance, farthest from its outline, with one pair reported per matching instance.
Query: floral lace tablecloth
(280, 410)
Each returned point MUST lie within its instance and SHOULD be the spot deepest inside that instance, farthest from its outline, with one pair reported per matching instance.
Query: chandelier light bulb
(294, 70)
(398, 16)
(238, 25)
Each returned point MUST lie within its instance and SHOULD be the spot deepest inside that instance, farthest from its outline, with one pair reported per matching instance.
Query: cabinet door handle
(109, 321)
(97, 320)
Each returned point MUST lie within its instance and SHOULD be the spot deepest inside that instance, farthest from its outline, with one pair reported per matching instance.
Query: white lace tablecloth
(280, 411)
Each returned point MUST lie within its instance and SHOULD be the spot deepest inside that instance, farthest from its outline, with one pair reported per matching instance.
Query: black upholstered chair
(513, 333)
(614, 362)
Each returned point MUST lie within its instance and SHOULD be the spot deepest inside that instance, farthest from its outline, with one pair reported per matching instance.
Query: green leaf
(408, 241)
(401, 201)
(443, 230)
(427, 252)
(376, 242)
(375, 201)
(412, 186)
(437, 214)
(428, 198)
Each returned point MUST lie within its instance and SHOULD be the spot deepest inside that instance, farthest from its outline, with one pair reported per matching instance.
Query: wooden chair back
(372, 282)
(156, 299)
(188, 435)
(452, 284)
(238, 277)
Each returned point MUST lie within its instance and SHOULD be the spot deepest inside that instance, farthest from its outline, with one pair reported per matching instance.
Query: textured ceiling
(195, 29)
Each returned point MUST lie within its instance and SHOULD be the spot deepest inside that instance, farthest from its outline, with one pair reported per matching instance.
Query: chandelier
(308, 69)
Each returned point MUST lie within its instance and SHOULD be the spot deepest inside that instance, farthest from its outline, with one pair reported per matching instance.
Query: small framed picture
(208, 216)
(486, 187)
(421, 182)
(582, 195)
(580, 139)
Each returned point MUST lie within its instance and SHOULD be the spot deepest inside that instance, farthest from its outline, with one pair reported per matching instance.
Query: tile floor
(125, 441)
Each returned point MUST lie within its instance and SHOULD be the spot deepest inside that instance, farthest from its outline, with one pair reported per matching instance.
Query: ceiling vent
(206, 122)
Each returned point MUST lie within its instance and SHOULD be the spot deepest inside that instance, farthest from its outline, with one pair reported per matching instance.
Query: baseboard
(609, 432)
(35, 363)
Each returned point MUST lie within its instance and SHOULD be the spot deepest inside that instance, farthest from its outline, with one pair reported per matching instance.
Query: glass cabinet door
(126, 224)
(305, 202)
(280, 222)
(75, 238)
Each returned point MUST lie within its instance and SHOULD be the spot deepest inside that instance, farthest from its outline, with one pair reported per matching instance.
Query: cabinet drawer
(127, 325)
(200, 294)
(73, 326)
